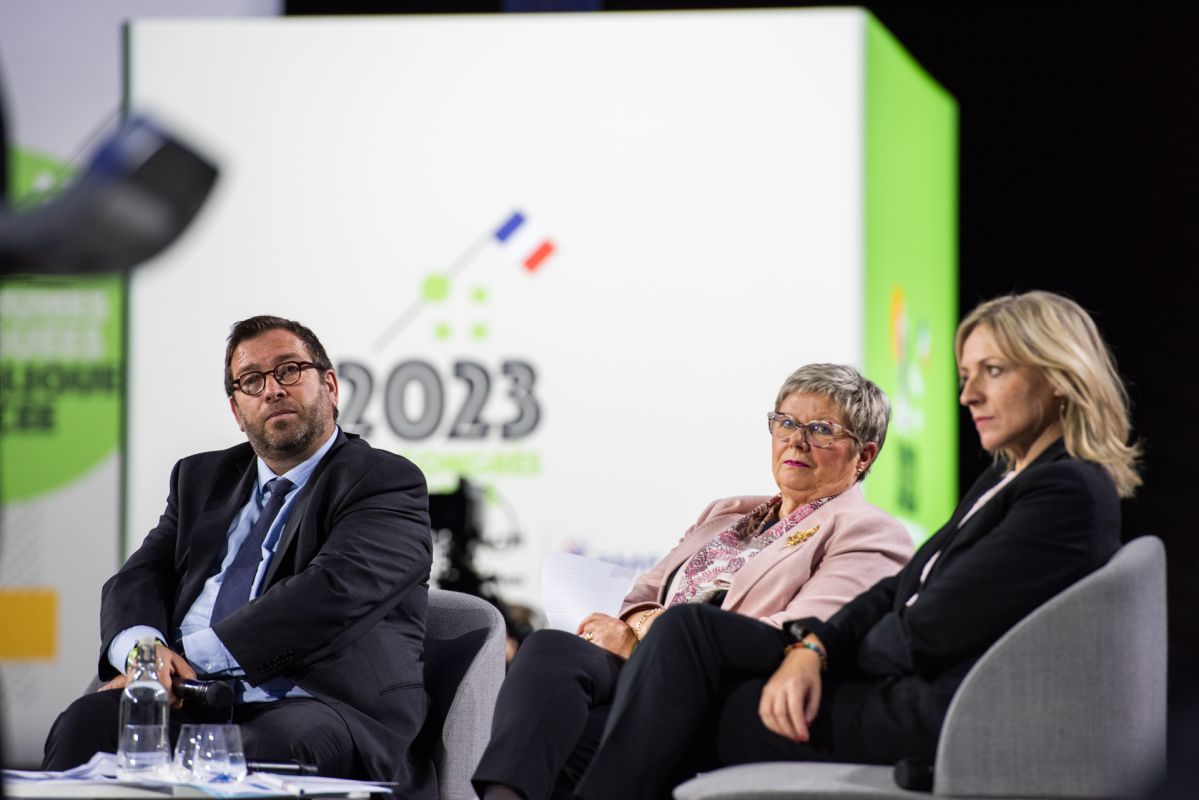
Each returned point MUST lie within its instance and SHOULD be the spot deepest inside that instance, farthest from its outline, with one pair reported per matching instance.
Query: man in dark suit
(309, 591)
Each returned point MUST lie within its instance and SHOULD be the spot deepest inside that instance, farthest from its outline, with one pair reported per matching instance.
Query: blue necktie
(239, 577)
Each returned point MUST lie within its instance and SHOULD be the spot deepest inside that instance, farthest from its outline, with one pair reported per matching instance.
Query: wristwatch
(797, 631)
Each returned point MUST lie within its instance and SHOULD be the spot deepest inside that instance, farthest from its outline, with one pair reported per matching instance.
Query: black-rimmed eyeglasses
(286, 374)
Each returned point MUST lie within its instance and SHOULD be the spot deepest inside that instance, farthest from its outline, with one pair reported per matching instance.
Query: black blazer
(1057, 521)
(342, 611)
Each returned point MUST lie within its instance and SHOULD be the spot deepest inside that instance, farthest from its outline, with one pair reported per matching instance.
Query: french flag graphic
(523, 241)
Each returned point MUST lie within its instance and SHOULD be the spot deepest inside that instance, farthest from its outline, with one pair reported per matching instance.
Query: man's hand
(610, 633)
(791, 698)
(172, 668)
(116, 683)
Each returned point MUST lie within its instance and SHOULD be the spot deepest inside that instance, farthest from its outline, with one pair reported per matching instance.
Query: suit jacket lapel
(909, 578)
(989, 478)
(298, 509)
(983, 522)
(230, 490)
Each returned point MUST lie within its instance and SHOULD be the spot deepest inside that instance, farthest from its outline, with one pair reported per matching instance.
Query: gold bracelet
(653, 612)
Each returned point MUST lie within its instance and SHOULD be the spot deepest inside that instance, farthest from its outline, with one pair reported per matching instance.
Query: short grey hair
(864, 405)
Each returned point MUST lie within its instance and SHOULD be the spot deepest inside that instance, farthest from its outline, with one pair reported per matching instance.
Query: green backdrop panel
(911, 281)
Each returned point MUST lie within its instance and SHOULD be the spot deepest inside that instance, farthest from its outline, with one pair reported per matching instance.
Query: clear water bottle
(144, 746)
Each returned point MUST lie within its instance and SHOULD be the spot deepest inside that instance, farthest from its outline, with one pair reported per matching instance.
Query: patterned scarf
(710, 569)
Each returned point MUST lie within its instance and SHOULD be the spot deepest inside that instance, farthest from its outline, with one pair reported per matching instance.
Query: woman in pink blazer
(802, 552)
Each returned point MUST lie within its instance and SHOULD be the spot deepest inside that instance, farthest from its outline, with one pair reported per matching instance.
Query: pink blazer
(854, 546)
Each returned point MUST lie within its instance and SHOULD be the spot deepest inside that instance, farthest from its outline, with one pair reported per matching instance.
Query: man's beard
(292, 439)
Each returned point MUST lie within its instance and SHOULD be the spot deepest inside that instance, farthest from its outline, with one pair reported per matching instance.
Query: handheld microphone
(214, 694)
(138, 194)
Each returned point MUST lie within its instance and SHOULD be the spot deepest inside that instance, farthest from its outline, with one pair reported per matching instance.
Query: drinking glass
(236, 753)
(210, 753)
(185, 752)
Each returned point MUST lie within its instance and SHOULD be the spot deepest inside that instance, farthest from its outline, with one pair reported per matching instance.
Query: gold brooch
(801, 537)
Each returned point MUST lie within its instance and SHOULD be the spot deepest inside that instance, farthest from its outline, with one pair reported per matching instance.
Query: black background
(1079, 173)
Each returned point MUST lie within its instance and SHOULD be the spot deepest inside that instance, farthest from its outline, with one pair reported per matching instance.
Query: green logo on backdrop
(60, 365)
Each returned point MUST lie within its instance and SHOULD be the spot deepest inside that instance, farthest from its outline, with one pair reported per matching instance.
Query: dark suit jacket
(342, 609)
(1057, 521)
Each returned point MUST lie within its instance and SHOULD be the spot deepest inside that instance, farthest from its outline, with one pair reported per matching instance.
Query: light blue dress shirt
(203, 649)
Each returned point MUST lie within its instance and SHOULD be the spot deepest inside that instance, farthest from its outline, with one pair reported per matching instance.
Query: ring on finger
(588, 635)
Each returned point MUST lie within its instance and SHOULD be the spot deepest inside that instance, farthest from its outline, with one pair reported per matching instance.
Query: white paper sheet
(100, 765)
(97, 778)
(574, 586)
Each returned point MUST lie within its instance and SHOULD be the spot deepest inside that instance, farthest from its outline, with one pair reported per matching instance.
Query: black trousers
(300, 728)
(549, 716)
(688, 702)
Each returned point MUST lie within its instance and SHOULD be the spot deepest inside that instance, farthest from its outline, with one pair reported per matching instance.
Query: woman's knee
(531, 659)
(548, 642)
(549, 654)
(683, 619)
(552, 665)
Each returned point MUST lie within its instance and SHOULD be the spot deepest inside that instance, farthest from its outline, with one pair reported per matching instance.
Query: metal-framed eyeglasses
(286, 374)
(819, 432)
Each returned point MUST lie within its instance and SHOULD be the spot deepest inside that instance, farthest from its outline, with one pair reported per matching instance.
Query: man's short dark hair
(256, 326)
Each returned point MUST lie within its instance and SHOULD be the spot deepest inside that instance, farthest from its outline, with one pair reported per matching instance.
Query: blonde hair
(1056, 335)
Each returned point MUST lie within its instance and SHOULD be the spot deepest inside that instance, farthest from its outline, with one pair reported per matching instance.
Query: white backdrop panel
(698, 173)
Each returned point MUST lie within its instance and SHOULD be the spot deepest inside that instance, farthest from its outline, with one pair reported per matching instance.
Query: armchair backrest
(1072, 701)
(464, 666)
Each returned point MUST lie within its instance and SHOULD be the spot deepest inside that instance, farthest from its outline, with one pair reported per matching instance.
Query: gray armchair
(1070, 703)
(464, 666)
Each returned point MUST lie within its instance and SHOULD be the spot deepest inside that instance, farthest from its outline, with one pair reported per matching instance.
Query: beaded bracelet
(815, 648)
(641, 620)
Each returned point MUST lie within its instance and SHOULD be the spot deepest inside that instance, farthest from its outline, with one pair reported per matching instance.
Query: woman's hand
(119, 682)
(642, 622)
(791, 698)
(610, 633)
